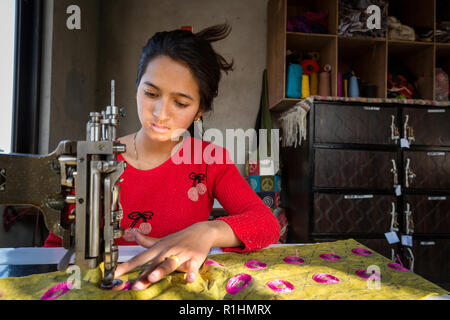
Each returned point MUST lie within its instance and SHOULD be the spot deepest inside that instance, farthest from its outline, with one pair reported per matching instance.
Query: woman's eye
(182, 105)
(150, 94)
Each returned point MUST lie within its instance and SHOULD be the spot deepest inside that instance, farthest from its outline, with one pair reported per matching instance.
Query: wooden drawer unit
(352, 213)
(354, 124)
(353, 168)
(428, 214)
(431, 260)
(428, 125)
(427, 169)
(365, 170)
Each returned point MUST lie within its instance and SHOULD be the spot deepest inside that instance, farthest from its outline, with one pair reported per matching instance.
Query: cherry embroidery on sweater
(198, 187)
(136, 216)
(144, 228)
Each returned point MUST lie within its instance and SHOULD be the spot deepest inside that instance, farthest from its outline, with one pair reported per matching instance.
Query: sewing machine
(84, 173)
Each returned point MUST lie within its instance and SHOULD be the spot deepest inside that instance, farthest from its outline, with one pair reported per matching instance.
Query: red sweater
(173, 196)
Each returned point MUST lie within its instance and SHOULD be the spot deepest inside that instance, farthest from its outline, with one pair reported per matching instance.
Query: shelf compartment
(413, 13)
(358, 55)
(418, 59)
(442, 14)
(443, 60)
(296, 8)
(326, 45)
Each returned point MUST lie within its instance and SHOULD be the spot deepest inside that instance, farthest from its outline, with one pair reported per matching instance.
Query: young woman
(171, 180)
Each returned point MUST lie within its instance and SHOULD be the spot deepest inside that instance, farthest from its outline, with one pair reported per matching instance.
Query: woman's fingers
(139, 260)
(192, 269)
(155, 272)
(143, 240)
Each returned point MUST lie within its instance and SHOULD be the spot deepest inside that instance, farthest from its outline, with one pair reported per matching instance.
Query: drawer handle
(408, 131)
(394, 219)
(409, 174)
(409, 219)
(394, 171)
(395, 134)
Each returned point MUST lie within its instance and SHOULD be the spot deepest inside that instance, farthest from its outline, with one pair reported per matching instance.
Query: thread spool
(324, 83)
(339, 84)
(354, 89)
(294, 81)
(314, 84)
(305, 86)
(345, 88)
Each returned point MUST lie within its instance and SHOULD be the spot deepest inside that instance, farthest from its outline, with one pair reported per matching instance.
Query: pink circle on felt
(362, 252)
(330, 256)
(145, 228)
(238, 282)
(364, 274)
(193, 194)
(128, 235)
(293, 260)
(255, 265)
(127, 286)
(201, 188)
(57, 291)
(325, 278)
(398, 267)
(211, 261)
(280, 286)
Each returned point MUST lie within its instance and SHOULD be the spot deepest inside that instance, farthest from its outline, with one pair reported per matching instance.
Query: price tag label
(392, 237)
(404, 143)
(398, 190)
(407, 240)
(372, 108)
(358, 196)
(437, 198)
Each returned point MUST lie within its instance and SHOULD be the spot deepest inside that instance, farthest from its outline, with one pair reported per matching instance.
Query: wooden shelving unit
(370, 58)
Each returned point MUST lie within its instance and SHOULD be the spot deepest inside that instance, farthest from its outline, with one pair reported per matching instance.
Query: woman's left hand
(184, 251)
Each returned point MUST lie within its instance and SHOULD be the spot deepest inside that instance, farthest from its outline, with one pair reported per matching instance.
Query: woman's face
(168, 99)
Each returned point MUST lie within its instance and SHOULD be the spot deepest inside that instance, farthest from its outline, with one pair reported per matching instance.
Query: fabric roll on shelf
(294, 81)
(305, 86)
(324, 83)
(314, 84)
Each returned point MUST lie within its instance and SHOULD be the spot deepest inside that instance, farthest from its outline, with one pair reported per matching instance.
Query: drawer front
(431, 259)
(349, 213)
(353, 169)
(430, 125)
(353, 124)
(430, 214)
(429, 169)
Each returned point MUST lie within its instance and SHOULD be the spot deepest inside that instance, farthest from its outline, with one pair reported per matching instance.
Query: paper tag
(434, 154)
(404, 143)
(407, 240)
(437, 198)
(436, 110)
(358, 196)
(372, 108)
(391, 237)
(398, 190)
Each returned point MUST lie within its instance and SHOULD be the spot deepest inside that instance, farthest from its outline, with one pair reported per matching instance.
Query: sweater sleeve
(249, 218)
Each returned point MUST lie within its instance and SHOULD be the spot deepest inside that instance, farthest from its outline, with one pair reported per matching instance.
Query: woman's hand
(190, 246)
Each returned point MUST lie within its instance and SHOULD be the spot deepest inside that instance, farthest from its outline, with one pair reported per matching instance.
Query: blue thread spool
(294, 81)
(354, 89)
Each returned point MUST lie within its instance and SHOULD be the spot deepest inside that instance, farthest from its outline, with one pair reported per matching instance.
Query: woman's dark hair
(196, 51)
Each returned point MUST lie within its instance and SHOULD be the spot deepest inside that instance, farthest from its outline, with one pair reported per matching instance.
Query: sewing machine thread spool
(354, 89)
(324, 83)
